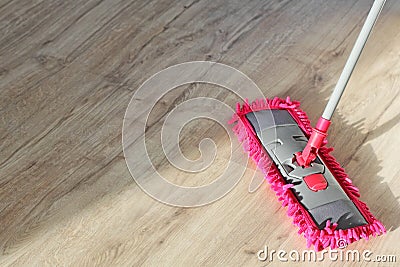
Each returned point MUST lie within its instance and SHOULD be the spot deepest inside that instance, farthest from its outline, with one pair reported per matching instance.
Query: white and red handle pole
(308, 155)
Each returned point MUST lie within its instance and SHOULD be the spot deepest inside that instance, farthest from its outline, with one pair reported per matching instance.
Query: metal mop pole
(308, 155)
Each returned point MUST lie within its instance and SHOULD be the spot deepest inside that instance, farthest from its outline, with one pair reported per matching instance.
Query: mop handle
(353, 58)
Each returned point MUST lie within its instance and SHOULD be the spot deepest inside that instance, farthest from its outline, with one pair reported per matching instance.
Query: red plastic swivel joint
(309, 154)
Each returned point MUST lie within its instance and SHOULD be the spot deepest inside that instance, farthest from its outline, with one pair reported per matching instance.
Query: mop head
(322, 200)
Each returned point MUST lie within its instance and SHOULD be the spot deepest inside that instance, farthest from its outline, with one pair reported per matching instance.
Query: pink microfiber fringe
(320, 239)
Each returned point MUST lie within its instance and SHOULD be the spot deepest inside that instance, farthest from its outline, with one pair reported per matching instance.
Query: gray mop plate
(281, 137)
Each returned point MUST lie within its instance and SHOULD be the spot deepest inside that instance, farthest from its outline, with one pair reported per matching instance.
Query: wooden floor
(68, 71)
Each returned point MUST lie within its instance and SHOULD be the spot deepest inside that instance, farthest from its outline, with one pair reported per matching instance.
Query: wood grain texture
(68, 70)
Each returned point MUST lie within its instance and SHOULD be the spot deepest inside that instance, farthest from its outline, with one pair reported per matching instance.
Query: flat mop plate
(321, 199)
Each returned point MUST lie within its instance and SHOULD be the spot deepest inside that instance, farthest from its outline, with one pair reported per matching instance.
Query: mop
(318, 194)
